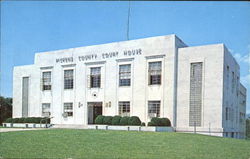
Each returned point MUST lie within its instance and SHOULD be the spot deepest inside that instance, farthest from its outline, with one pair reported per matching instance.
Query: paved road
(18, 129)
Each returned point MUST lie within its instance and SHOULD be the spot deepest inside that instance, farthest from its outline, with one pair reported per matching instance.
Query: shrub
(159, 122)
(156, 121)
(116, 120)
(124, 120)
(27, 120)
(99, 119)
(134, 120)
(165, 122)
(143, 124)
(9, 120)
(107, 120)
(150, 124)
(21, 120)
(15, 120)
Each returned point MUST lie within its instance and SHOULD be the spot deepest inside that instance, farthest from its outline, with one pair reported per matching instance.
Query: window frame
(125, 74)
(154, 107)
(121, 105)
(154, 79)
(70, 83)
(43, 112)
(44, 80)
(70, 112)
(95, 79)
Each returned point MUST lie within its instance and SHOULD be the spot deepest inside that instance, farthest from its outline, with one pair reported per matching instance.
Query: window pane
(154, 108)
(124, 108)
(195, 94)
(68, 79)
(46, 81)
(95, 77)
(46, 109)
(68, 108)
(124, 75)
(154, 72)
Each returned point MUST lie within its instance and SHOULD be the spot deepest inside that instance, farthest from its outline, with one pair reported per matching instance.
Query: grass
(67, 143)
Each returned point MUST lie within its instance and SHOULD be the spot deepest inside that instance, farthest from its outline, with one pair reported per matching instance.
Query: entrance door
(94, 109)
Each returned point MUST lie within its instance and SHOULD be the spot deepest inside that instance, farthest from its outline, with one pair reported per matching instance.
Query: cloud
(242, 58)
(245, 80)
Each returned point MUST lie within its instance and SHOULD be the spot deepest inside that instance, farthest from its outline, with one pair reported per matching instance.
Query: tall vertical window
(227, 113)
(154, 108)
(154, 73)
(46, 81)
(124, 108)
(68, 79)
(95, 77)
(227, 82)
(124, 75)
(195, 94)
(237, 85)
(46, 109)
(68, 109)
(233, 82)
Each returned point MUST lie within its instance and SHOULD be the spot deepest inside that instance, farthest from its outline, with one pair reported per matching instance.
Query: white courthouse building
(195, 87)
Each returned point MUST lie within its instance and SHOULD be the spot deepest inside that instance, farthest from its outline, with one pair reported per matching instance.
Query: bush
(134, 120)
(143, 124)
(150, 124)
(159, 122)
(99, 119)
(15, 120)
(165, 122)
(107, 120)
(156, 121)
(20, 120)
(124, 120)
(9, 120)
(27, 120)
(116, 120)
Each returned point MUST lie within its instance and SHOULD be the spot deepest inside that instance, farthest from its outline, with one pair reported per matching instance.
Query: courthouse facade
(195, 87)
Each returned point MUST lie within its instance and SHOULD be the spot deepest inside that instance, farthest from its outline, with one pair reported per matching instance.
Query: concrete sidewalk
(19, 129)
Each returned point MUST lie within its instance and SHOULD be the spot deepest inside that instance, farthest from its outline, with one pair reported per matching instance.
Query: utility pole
(128, 20)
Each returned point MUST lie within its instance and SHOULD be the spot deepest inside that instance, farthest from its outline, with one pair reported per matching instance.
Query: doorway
(94, 109)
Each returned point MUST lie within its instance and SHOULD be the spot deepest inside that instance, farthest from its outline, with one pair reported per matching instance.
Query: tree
(248, 128)
(5, 109)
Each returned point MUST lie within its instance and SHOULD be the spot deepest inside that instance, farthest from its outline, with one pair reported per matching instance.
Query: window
(46, 81)
(227, 113)
(124, 75)
(233, 82)
(195, 99)
(124, 108)
(46, 109)
(95, 77)
(68, 79)
(154, 108)
(68, 109)
(154, 72)
(227, 82)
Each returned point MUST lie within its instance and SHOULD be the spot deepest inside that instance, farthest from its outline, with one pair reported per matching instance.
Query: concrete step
(69, 126)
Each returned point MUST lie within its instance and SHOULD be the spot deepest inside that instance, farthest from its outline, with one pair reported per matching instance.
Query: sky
(28, 27)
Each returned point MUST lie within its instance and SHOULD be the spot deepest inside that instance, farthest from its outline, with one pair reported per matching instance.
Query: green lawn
(66, 143)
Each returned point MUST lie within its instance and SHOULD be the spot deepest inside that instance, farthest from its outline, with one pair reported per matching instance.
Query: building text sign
(106, 55)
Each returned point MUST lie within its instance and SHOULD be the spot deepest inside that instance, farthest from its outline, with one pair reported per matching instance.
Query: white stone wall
(153, 49)
(173, 91)
(212, 86)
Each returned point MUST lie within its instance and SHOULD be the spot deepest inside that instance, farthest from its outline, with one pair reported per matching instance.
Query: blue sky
(28, 27)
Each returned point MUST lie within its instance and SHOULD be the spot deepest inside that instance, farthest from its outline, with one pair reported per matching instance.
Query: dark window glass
(68, 79)
(124, 75)
(154, 72)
